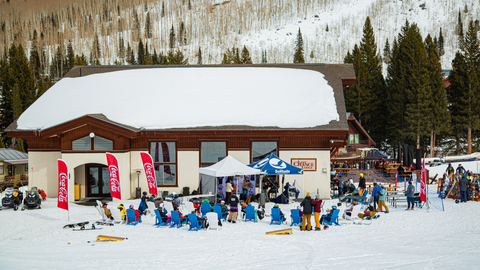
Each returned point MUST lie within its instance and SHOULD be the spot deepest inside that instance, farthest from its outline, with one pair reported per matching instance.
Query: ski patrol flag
(423, 184)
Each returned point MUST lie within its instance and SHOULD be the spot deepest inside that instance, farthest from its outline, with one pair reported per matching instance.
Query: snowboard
(87, 229)
(78, 224)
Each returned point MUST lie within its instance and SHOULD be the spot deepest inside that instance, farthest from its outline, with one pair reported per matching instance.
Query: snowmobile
(13, 198)
(32, 199)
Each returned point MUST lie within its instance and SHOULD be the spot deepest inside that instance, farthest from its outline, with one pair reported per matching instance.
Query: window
(164, 159)
(1, 169)
(213, 152)
(261, 150)
(354, 139)
(84, 144)
(102, 144)
(99, 144)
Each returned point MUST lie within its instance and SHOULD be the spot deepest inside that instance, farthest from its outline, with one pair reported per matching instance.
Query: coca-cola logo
(150, 176)
(62, 187)
(114, 181)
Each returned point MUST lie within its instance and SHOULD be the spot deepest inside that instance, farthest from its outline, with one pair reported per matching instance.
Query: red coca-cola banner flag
(423, 184)
(149, 172)
(62, 185)
(114, 176)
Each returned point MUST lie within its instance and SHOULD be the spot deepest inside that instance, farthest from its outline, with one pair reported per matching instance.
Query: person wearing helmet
(361, 183)
(369, 213)
(381, 198)
(123, 212)
(328, 216)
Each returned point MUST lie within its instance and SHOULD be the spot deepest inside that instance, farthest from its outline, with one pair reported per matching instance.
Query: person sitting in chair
(282, 216)
(328, 216)
(108, 213)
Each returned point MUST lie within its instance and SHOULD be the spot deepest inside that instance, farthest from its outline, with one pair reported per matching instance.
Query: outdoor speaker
(418, 166)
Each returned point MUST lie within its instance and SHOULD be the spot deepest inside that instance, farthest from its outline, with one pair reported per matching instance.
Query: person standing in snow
(317, 204)
(340, 186)
(228, 190)
(233, 202)
(460, 170)
(450, 170)
(376, 189)
(410, 195)
(381, 198)
(463, 184)
(361, 183)
(307, 212)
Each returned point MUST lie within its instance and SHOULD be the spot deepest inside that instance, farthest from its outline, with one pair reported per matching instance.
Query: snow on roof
(190, 97)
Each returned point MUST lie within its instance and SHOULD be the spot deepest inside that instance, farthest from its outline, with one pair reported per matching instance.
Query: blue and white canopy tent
(273, 165)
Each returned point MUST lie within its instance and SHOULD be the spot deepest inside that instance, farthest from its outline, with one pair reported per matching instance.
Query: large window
(354, 139)
(261, 150)
(164, 158)
(99, 144)
(213, 152)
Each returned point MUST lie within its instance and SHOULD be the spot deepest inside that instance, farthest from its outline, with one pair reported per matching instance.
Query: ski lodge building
(186, 117)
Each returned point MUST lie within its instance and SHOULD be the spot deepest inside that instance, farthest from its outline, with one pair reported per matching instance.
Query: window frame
(209, 163)
(163, 163)
(251, 147)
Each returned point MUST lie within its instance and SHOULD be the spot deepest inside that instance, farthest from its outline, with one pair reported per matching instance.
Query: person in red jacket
(317, 208)
(137, 214)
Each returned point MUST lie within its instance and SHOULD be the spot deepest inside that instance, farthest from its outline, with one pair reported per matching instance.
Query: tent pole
(303, 180)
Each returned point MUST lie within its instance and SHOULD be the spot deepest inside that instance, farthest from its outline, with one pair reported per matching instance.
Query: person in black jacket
(463, 184)
(307, 212)
(361, 183)
(233, 202)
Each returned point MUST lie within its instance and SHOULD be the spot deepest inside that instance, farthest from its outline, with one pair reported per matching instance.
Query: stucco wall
(188, 162)
(313, 180)
(45, 171)
(75, 160)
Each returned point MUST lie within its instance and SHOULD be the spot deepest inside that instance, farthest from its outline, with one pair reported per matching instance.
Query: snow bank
(162, 98)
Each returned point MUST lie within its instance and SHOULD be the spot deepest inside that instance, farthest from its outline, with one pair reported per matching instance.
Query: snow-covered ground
(419, 239)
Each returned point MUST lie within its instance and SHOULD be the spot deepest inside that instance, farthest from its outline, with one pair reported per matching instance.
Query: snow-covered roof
(164, 98)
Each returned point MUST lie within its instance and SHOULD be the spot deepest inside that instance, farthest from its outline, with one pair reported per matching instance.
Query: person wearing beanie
(317, 206)
(123, 212)
(307, 212)
(375, 191)
(410, 195)
(361, 183)
(381, 198)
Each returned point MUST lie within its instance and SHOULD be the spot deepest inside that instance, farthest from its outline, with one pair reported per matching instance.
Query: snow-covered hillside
(266, 25)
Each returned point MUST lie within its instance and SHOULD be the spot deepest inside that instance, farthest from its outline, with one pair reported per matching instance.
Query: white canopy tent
(228, 166)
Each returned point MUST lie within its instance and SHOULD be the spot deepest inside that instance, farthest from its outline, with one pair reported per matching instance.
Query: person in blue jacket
(376, 189)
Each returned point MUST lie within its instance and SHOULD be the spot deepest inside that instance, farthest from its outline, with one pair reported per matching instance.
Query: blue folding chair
(161, 221)
(276, 216)
(195, 225)
(296, 218)
(177, 221)
(132, 218)
(221, 215)
(250, 213)
(205, 207)
(333, 219)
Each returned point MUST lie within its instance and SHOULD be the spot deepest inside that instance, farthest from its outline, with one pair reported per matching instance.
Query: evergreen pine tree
(246, 59)
(466, 85)
(441, 51)
(298, 56)
(460, 30)
(181, 34)
(373, 88)
(264, 57)
(172, 38)
(163, 9)
(148, 26)
(386, 53)
(70, 56)
(189, 5)
(141, 54)
(441, 119)
(199, 55)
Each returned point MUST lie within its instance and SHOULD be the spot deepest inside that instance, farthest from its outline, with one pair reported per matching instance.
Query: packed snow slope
(419, 239)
